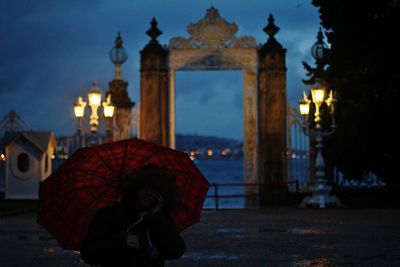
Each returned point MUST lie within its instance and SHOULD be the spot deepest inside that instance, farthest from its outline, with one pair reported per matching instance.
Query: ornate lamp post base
(320, 197)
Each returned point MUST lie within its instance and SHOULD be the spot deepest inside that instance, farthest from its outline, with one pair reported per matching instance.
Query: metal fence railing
(217, 196)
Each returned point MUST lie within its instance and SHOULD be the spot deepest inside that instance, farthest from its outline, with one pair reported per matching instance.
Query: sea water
(223, 172)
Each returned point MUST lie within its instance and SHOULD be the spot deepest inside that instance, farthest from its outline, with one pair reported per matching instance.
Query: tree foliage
(364, 72)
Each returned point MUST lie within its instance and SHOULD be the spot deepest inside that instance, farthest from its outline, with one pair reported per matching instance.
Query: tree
(363, 70)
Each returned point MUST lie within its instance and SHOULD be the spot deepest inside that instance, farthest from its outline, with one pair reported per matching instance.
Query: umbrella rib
(122, 168)
(86, 172)
(143, 162)
(105, 162)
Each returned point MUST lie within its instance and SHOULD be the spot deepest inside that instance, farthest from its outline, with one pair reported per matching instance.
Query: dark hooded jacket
(105, 243)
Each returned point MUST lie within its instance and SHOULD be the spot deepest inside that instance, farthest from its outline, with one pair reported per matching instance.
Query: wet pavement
(275, 236)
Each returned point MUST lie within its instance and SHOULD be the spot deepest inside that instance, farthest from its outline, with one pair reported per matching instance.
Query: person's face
(147, 197)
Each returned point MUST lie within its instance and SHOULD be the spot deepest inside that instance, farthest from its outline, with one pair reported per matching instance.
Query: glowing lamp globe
(108, 111)
(318, 95)
(108, 108)
(304, 107)
(79, 108)
(94, 95)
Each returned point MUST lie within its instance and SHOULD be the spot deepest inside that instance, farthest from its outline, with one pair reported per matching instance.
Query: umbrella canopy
(92, 177)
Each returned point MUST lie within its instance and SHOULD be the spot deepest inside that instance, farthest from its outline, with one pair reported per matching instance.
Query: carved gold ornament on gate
(212, 32)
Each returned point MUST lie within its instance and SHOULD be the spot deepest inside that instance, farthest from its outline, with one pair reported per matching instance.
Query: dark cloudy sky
(52, 50)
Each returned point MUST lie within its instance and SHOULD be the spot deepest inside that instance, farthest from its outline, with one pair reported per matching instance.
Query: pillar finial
(154, 31)
(271, 29)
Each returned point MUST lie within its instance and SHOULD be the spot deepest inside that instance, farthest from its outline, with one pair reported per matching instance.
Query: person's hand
(132, 241)
(160, 203)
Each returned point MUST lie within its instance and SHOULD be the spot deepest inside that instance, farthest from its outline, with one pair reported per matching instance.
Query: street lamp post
(94, 101)
(108, 111)
(94, 97)
(320, 189)
(79, 111)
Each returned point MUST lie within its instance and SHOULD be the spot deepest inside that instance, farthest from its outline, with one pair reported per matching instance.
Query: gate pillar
(154, 90)
(272, 118)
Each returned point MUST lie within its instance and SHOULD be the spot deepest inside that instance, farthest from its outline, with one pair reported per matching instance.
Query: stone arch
(213, 45)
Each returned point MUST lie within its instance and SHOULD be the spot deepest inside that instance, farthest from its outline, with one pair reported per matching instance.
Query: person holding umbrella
(138, 231)
(123, 203)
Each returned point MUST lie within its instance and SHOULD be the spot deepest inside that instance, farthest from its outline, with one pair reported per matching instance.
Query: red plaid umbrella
(90, 180)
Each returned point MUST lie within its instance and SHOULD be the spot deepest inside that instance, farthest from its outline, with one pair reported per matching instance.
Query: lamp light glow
(304, 105)
(328, 101)
(318, 95)
(94, 98)
(108, 111)
(94, 95)
(79, 108)
(108, 108)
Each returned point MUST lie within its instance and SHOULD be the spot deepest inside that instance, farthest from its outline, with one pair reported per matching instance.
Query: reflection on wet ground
(279, 236)
(232, 232)
(309, 231)
(323, 262)
(204, 256)
(60, 251)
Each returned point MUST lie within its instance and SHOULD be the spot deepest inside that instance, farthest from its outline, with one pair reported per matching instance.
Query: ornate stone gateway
(212, 45)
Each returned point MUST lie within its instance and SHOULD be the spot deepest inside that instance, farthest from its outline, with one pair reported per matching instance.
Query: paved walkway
(276, 236)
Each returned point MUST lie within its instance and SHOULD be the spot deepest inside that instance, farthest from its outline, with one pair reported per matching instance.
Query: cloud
(51, 51)
(211, 105)
(203, 86)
